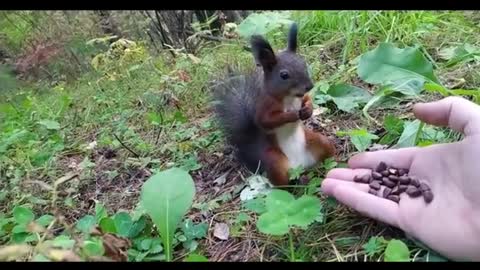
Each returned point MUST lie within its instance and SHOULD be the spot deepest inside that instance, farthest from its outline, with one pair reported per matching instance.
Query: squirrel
(261, 112)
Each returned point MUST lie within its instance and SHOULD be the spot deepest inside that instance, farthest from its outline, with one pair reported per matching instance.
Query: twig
(126, 147)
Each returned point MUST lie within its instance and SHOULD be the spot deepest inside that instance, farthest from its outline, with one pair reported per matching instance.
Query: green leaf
(329, 164)
(360, 138)
(242, 217)
(256, 205)
(278, 199)
(100, 212)
(93, 247)
(85, 224)
(194, 231)
(295, 173)
(107, 225)
(394, 127)
(331, 202)
(348, 97)
(156, 246)
(194, 257)
(273, 222)
(380, 95)
(180, 117)
(146, 243)
(262, 23)
(191, 164)
(123, 223)
(463, 53)
(45, 220)
(22, 215)
(397, 251)
(63, 241)
(283, 211)
(304, 211)
(20, 228)
(50, 124)
(313, 186)
(154, 118)
(374, 246)
(410, 134)
(166, 197)
(387, 64)
(18, 238)
(190, 245)
(138, 227)
(40, 258)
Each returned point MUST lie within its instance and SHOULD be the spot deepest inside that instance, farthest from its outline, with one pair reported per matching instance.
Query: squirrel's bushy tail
(234, 104)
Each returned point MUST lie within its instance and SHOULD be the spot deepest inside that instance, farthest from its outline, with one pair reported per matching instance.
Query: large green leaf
(396, 70)
(263, 23)
(284, 211)
(387, 64)
(273, 222)
(304, 211)
(397, 251)
(166, 197)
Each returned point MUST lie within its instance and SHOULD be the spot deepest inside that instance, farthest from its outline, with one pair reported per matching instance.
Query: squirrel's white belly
(291, 138)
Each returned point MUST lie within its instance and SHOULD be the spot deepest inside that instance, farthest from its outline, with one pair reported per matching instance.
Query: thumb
(457, 113)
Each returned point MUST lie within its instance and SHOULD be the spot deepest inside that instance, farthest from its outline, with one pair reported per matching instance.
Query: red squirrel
(261, 113)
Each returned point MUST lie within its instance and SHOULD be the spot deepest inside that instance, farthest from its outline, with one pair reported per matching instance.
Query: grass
(111, 128)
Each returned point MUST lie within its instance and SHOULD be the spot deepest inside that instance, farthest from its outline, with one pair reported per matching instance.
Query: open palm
(450, 224)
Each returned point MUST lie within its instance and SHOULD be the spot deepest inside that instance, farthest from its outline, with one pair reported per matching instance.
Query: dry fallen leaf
(13, 252)
(377, 147)
(194, 59)
(221, 231)
(65, 178)
(61, 255)
(35, 228)
(318, 111)
(221, 179)
(116, 247)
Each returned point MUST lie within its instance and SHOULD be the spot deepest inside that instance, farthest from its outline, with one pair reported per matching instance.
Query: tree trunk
(108, 26)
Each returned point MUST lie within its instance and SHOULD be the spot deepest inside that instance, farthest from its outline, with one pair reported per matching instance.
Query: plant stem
(292, 251)
(420, 128)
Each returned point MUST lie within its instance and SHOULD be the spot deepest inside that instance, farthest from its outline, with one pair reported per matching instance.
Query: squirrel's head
(285, 73)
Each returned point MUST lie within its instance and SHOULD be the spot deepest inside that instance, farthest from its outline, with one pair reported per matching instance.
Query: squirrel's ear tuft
(292, 38)
(263, 52)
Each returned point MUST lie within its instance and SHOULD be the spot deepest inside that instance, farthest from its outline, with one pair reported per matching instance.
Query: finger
(400, 158)
(346, 174)
(457, 113)
(359, 186)
(367, 204)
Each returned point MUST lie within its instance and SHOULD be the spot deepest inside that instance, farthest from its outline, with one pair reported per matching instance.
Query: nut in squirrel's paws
(304, 113)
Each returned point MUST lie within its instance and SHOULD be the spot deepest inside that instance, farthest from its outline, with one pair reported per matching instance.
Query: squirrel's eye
(284, 75)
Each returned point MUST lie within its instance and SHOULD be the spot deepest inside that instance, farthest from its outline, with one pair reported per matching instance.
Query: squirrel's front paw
(305, 113)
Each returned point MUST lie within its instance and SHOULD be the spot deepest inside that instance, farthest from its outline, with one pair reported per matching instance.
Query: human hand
(450, 224)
